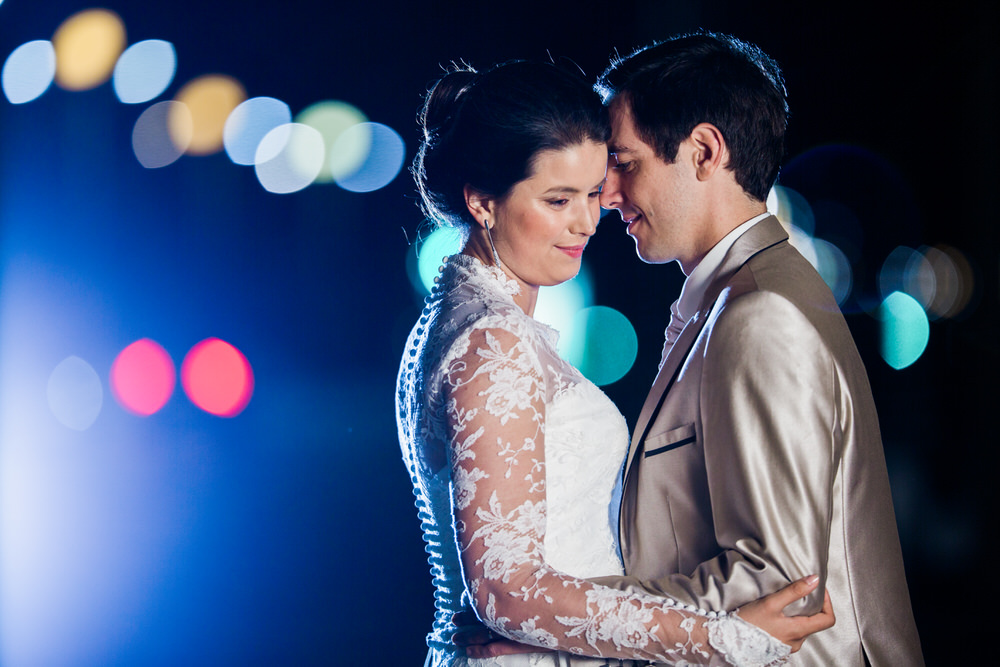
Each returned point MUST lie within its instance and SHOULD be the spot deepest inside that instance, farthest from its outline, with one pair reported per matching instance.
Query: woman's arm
(496, 412)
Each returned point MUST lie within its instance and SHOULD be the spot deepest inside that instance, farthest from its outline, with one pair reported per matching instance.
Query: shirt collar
(703, 274)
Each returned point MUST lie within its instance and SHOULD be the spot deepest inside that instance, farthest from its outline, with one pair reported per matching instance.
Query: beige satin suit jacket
(764, 462)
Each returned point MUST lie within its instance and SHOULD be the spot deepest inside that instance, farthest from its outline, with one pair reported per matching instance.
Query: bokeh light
(802, 242)
(249, 123)
(144, 71)
(143, 377)
(87, 45)
(217, 378)
(608, 346)
(953, 279)
(905, 330)
(154, 143)
(289, 158)
(905, 270)
(28, 71)
(386, 154)
(424, 257)
(331, 119)
(559, 305)
(210, 99)
(835, 269)
(75, 393)
(791, 208)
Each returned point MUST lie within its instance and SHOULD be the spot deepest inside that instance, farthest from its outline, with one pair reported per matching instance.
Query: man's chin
(646, 256)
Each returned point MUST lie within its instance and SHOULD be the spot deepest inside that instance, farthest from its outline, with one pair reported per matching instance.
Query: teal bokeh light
(426, 256)
(558, 306)
(905, 330)
(607, 348)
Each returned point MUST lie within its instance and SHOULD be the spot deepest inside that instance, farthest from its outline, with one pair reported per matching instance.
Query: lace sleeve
(496, 415)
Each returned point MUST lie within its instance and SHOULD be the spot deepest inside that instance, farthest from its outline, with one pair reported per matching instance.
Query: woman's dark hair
(486, 129)
(673, 85)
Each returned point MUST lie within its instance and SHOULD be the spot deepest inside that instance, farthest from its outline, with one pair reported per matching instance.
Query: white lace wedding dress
(515, 460)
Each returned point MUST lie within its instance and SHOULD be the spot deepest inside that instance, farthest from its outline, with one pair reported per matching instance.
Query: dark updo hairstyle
(486, 129)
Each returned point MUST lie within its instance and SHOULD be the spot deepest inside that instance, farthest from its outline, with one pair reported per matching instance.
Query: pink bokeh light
(217, 378)
(143, 377)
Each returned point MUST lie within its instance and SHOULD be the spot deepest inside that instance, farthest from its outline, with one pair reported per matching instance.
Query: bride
(514, 455)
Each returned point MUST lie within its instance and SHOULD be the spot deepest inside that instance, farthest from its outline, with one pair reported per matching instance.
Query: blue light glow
(144, 70)
(905, 330)
(29, 71)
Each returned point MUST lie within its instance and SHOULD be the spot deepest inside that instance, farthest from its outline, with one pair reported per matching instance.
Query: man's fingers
(472, 636)
(500, 647)
(794, 591)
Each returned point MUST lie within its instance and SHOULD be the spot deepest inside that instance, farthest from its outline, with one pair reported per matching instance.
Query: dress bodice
(586, 439)
(515, 460)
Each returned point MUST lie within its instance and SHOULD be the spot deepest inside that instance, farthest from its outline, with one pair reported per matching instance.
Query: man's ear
(711, 153)
(481, 206)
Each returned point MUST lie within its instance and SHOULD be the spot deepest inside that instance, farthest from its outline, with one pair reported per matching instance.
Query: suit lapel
(671, 365)
(764, 234)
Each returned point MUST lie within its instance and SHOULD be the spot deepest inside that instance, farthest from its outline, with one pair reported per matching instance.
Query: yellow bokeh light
(331, 119)
(209, 99)
(87, 46)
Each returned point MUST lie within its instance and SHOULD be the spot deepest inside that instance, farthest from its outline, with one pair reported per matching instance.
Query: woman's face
(542, 226)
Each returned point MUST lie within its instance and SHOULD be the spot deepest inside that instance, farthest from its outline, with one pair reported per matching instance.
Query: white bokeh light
(75, 393)
(386, 154)
(29, 71)
(249, 123)
(144, 70)
(289, 158)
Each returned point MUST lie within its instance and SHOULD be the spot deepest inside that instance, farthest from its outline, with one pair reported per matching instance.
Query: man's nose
(611, 196)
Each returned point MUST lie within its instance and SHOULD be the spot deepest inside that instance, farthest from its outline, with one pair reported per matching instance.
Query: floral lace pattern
(514, 458)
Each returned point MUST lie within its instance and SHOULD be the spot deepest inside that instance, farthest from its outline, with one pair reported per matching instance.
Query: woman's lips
(573, 251)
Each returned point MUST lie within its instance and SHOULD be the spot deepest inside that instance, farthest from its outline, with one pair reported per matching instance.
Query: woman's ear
(480, 206)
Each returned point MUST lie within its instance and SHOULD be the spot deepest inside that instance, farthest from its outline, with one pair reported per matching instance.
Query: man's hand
(481, 642)
(766, 613)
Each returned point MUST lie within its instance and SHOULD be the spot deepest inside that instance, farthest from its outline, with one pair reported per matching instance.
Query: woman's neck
(527, 295)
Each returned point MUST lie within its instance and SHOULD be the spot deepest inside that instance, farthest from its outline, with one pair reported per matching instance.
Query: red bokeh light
(217, 378)
(143, 377)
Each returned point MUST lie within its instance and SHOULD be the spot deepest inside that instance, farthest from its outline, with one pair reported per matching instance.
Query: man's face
(656, 199)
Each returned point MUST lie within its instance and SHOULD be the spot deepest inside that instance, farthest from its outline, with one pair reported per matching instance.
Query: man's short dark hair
(674, 85)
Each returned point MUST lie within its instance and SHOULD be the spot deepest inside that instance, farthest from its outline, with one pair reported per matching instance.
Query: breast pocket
(662, 443)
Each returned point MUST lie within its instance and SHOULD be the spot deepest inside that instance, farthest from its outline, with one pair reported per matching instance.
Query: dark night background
(287, 535)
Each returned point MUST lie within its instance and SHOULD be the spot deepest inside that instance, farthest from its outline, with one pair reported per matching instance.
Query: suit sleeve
(769, 402)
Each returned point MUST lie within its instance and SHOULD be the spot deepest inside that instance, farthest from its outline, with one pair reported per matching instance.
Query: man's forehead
(622, 129)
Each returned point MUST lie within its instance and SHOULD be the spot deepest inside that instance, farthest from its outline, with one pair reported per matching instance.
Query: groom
(756, 459)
